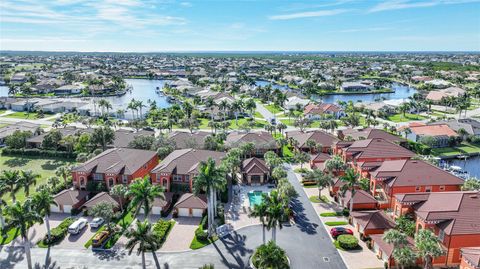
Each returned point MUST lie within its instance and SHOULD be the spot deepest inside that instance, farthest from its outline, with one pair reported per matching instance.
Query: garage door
(197, 212)
(156, 210)
(183, 212)
(54, 209)
(67, 208)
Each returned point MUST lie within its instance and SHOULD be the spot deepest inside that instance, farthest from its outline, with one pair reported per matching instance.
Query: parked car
(96, 222)
(77, 226)
(337, 231)
(100, 238)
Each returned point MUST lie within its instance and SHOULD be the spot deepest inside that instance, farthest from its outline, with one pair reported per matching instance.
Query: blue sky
(231, 25)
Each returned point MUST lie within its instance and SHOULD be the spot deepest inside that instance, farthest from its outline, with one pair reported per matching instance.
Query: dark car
(337, 231)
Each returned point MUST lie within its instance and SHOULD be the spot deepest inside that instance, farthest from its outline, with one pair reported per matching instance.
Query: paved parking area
(78, 241)
(38, 231)
(181, 234)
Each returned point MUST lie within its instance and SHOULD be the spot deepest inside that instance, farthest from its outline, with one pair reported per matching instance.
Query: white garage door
(197, 212)
(54, 209)
(156, 210)
(183, 212)
(67, 208)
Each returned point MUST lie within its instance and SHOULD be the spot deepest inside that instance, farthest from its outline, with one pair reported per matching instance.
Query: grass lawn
(43, 166)
(273, 108)
(258, 124)
(408, 117)
(27, 67)
(286, 151)
(331, 214)
(11, 234)
(463, 148)
(316, 199)
(196, 244)
(335, 223)
(258, 115)
(288, 122)
(22, 115)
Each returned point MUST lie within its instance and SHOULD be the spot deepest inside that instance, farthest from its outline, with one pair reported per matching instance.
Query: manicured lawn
(22, 115)
(316, 199)
(43, 166)
(463, 148)
(273, 108)
(258, 123)
(288, 122)
(196, 244)
(287, 152)
(11, 234)
(335, 223)
(27, 67)
(408, 117)
(258, 115)
(331, 214)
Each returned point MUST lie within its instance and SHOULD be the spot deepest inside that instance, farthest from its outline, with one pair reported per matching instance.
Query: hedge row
(40, 153)
(58, 233)
(161, 229)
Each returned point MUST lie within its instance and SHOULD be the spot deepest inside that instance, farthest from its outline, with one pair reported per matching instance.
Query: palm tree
(223, 105)
(209, 179)
(27, 179)
(142, 238)
(276, 212)
(121, 192)
(143, 193)
(270, 256)
(335, 164)
(10, 179)
(404, 108)
(132, 106)
(42, 201)
(210, 104)
(3, 189)
(323, 179)
(23, 216)
(428, 247)
(351, 181)
(260, 211)
(402, 254)
(63, 172)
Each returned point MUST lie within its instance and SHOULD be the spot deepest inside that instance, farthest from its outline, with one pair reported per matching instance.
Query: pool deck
(237, 210)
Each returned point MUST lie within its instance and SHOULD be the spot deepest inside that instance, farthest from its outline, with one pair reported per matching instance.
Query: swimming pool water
(255, 198)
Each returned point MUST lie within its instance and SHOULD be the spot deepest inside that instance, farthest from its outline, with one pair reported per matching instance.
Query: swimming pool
(255, 198)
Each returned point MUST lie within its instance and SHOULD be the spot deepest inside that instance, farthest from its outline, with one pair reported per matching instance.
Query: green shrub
(331, 214)
(40, 153)
(336, 223)
(161, 229)
(58, 233)
(201, 234)
(347, 241)
(272, 256)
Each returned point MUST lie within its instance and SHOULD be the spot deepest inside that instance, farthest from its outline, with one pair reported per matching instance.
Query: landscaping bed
(57, 234)
(316, 199)
(336, 223)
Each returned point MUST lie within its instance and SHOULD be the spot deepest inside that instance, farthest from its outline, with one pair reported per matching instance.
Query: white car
(77, 226)
(96, 222)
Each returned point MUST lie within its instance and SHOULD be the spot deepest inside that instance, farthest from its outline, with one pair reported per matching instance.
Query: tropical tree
(270, 256)
(351, 182)
(143, 192)
(428, 247)
(27, 179)
(272, 160)
(121, 192)
(142, 238)
(402, 254)
(3, 189)
(247, 149)
(106, 211)
(42, 201)
(276, 212)
(335, 164)
(260, 211)
(22, 216)
(323, 179)
(10, 179)
(209, 180)
(301, 157)
(63, 172)
(471, 184)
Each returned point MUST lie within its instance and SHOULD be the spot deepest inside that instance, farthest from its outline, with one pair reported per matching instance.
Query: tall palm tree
(402, 254)
(42, 201)
(351, 181)
(10, 179)
(335, 164)
(132, 106)
(63, 172)
(121, 192)
(260, 211)
(223, 105)
(209, 180)
(428, 247)
(3, 189)
(276, 212)
(323, 179)
(142, 238)
(27, 179)
(22, 216)
(143, 192)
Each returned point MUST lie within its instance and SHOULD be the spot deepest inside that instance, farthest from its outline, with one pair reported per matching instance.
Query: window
(124, 178)
(177, 178)
(442, 188)
(82, 181)
(417, 188)
(441, 235)
(111, 182)
(97, 177)
(187, 178)
(428, 188)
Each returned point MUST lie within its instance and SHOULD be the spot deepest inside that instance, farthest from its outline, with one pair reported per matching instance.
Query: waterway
(471, 165)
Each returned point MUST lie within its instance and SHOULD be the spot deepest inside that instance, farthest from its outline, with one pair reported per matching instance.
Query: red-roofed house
(371, 150)
(440, 132)
(318, 111)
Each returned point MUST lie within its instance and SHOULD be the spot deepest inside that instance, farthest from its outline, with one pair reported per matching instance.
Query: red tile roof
(433, 130)
(378, 148)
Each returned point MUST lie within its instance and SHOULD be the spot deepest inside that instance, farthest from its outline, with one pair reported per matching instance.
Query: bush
(161, 230)
(201, 234)
(347, 241)
(40, 153)
(335, 223)
(272, 256)
(58, 233)
(346, 212)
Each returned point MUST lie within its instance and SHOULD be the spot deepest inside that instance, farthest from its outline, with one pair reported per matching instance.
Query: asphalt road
(306, 242)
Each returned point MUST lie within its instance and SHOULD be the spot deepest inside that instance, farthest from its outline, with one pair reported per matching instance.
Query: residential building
(323, 110)
(254, 171)
(371, 150)
(185, 140)
(368, 133)
(441, 133)
(319, 137)
(263, 141)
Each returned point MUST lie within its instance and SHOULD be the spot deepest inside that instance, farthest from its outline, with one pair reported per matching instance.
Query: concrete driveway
(38, 231)
(181, 234)
(77, 241)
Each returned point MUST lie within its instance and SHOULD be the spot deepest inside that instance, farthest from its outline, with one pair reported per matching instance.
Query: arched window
(111, 182)
(82, 181)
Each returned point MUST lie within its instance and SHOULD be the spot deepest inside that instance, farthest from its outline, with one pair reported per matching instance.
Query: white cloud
(404, 4)
(308, 14)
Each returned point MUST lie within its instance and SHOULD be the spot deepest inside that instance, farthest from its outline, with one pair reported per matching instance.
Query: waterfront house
(368, 133)
(438, 95)
(115, 166)
(355, 86)
(371, 150)
(22, 126)
(295, 102)
(323, 110)
(441, 133)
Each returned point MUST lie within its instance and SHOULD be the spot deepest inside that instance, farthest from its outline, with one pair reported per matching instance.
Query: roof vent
(473, 196)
